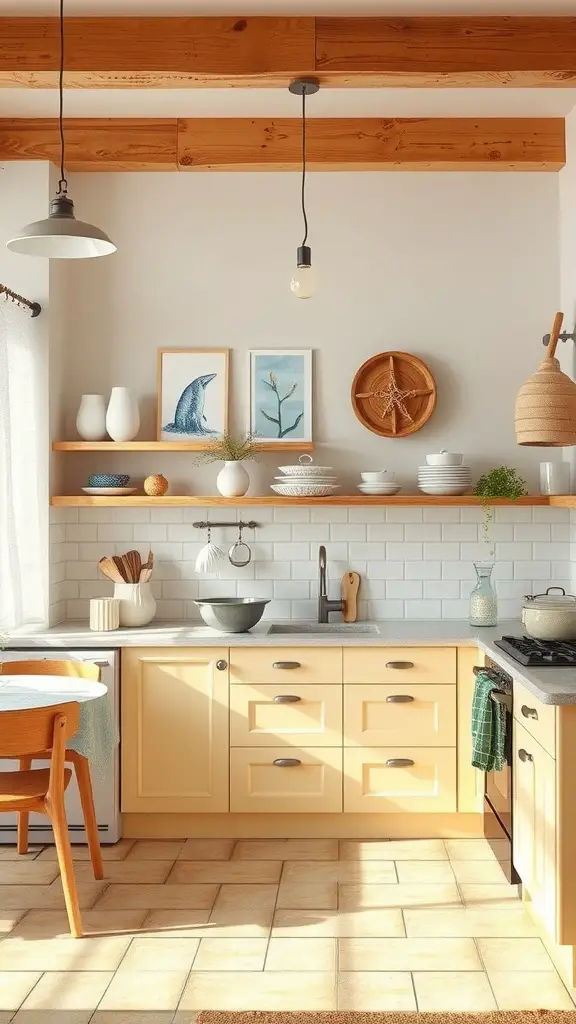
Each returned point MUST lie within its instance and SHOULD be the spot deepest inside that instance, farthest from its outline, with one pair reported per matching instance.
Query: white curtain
(23, 468)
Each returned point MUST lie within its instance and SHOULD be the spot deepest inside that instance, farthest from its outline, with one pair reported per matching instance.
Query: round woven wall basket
(394, 394)
(545, 413)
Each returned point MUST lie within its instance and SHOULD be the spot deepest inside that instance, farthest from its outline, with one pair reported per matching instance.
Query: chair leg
(23, 816)
(57, 813)
(82, 769)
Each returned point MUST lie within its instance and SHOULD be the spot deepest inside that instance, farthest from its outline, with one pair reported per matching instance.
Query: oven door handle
(502, 698)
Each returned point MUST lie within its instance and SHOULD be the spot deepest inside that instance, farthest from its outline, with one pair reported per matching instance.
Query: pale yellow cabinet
(400, 779)
(175, 748)
(293, 714)
(274, 779)
(383, 715)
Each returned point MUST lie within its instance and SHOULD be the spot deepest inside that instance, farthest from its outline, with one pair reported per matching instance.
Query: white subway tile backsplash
(532, 570)
(216, 588)
(113, 532)
(553, 550)
(278, 610)
(81, 571)
(560, 531)
(167, 515)
(471, 514)
(292, 515)
(444, 551)
(532, 531)
(460, 532)
(404, 514)
(441, 515)
(304, 570)
(154, 532)
(455, 609)
(172, 610)
(514, 551)
(367, 552)
(274, 532)
(366, 514)
(545, 514)
(423, 531)
(304, 610)
(273, 570)
(404, 552)
(385, 531)
(405, 589)
(95, 515)
(343, 531)
(291, 552)
(423, 609)
(180, 590)
(385, 570)
(263, 589)
(422, 570)
(329, 515)
(514, 513)
(463, 570)
(82, 531)
(315, 532)
(291, 590)
(477, 552)
(441, 589)
(389, 609)
(131, 515)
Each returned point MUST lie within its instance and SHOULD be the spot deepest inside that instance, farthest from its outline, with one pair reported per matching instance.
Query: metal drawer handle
(529, 712)
(399, 762)
(287, 762)
(286, 664)
(399, 698)
(399, 664)
(221, 665)
(287, 698)
(524, 755)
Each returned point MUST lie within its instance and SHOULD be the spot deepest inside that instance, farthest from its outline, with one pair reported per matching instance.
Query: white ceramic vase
(91, 418)
(137, 603)
(122, 416)
(232, 480)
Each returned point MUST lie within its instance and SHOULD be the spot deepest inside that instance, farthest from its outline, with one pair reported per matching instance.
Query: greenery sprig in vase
(232, 480)
(502, 482)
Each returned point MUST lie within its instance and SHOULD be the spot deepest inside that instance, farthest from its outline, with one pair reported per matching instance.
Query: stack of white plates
(444, 479)
(383, 487)
(305, 481)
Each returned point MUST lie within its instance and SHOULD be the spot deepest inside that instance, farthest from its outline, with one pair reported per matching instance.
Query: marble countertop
(550, 685)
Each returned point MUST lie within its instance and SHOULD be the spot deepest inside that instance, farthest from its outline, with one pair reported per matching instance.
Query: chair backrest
(26, 732)
(46, 667)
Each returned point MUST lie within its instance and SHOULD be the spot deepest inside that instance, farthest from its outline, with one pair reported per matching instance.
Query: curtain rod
(20, 300)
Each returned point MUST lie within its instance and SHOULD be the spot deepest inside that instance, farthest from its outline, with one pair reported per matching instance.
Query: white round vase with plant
(233, 480)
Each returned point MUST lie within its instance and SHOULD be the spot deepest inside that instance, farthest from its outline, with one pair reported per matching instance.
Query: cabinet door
(386, 716)
(295, 715)
(174, 729)
(398, 779)
(399, 665)
(534, 824)
(260, 780)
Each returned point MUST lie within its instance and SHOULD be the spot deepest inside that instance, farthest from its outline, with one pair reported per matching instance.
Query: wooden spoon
(109, 569)
(119, 563)
(135, 564)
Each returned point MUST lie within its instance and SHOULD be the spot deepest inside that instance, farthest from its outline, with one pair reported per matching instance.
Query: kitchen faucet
(325, 606)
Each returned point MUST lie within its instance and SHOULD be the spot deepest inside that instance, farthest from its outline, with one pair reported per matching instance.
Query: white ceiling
(280, 7)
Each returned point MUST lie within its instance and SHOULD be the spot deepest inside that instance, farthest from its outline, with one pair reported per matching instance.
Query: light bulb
(304, 282)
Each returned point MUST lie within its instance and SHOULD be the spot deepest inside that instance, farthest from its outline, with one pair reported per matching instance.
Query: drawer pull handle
(399, 698)
(399, 762)
(287, 762)
(286, 664)
(529, 712)
(399, 664)
(287, 698)
(101, 664)
(524, 755)
(221, 665)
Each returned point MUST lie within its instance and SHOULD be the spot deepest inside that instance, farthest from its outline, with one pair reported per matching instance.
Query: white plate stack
(305, 480)
(444, 474)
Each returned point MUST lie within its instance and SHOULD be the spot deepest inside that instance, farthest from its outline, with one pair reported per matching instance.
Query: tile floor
(178, 926)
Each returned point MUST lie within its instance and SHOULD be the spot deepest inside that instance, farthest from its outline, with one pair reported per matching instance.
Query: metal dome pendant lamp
(303, 283)
(545, 414)
(61, 236)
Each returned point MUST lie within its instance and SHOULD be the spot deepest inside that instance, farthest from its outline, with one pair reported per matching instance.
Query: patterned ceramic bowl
(108, 480)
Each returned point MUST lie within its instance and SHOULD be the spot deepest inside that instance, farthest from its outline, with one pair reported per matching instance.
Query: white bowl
(376, 489)
(447, 489)
(444, 458)
(382, 476)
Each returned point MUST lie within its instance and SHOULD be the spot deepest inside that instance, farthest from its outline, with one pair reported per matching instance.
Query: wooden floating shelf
(167, 446)
(215, 501)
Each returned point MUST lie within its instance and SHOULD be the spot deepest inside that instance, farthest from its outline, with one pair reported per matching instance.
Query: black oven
(498, 786)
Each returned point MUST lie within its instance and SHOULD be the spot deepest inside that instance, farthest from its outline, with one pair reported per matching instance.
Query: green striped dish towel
(488, 727)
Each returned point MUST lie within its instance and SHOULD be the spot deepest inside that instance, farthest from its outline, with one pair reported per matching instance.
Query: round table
(18, 693)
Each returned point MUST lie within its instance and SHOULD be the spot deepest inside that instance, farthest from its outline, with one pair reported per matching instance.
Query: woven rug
(353, 1017)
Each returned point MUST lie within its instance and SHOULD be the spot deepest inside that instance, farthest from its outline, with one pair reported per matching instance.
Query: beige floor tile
(166, 954)
(21, 897)
(52, 1017)
(403, 895)
(27, 872)
(486, 872)
(156, 849)
(241, 871)
(523, 990)
(375, 990)
(130, 1017)
(117, 851)
(86, 954)
(53, 897)
(319, 896)
(15, 986)
(207, 849)
(11, 853)
(473, 849)
(469, 922)
(393, 849)
(410, 871)
(48, 924)
(241, 897)
(338, 924)
(138, 872)
(481, 894)
(231, 955)
(6, 1016)
(68, 990)
(264, 990)
(144, 990)
(286, 849)
(201, 924)
(9, 920)
(408, 955)
(158, 897)
(301, 955)
(513, 955)
(318, 872)
(457, 990)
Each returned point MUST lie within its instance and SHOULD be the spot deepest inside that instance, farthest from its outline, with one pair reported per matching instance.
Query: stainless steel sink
(333, 628)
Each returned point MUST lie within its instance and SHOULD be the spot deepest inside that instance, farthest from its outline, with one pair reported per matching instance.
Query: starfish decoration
(394, 398)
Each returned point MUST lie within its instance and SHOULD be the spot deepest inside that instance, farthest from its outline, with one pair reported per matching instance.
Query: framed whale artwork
(192, 394)
(281, 395)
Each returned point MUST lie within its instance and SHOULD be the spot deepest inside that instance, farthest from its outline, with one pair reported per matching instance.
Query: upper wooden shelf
(167, 446)
(211, 500)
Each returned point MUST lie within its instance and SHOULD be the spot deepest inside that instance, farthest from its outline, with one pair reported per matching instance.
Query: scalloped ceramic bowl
(108, 479)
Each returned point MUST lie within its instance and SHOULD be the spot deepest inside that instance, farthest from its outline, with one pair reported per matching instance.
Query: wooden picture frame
(189, 407)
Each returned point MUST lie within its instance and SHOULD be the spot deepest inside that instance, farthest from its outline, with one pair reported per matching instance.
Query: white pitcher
(137, 603)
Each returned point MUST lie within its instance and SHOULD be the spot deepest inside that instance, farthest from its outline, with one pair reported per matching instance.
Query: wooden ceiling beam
(158, 52)
(264, 144)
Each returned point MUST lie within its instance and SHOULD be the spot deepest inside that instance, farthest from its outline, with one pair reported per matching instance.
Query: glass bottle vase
(483, 599)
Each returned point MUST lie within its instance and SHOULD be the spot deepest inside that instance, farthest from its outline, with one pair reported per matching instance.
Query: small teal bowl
(108, 480)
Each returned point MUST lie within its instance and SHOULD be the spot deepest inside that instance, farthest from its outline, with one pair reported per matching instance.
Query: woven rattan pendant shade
(545, 414)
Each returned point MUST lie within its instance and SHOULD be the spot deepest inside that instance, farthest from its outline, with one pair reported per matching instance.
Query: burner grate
(538, 653)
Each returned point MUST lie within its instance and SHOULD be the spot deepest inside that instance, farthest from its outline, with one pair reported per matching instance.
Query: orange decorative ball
(155, 485)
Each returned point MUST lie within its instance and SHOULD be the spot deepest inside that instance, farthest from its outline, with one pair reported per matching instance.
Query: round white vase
(91, 418)
(137, 603)
(122, 416)
(232, 480)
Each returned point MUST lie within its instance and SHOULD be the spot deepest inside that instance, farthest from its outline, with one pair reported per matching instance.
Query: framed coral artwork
(281, 395)
(192, 394)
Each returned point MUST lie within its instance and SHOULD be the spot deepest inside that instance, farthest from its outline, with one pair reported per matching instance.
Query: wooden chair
(80, 670)
(22, 734)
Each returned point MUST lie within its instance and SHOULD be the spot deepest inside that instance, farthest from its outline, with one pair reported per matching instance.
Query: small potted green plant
(232, 480)
(498, 483)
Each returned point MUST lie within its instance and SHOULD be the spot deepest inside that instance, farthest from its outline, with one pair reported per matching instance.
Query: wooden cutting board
(350, 588)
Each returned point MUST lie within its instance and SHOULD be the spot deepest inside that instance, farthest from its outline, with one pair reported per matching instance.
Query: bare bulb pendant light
(303, 283)
(61, 236)
(545, 414)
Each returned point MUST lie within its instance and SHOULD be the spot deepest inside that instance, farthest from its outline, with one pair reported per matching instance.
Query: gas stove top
(539, 653)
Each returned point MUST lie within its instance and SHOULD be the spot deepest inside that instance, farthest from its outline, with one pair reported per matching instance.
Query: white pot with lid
(550, 616)
(444, 458)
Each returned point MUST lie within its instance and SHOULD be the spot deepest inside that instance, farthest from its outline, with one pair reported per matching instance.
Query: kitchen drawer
(286, 715)
(378, 715)
(427, 785)
(257, 784)
(538, 719)
(399, 665)
(301, 665)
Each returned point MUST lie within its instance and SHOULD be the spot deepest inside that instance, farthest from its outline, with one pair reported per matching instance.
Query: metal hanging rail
(35, 307)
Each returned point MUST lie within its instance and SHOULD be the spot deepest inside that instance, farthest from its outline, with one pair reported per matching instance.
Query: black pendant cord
(62, 184)
(303, 197)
